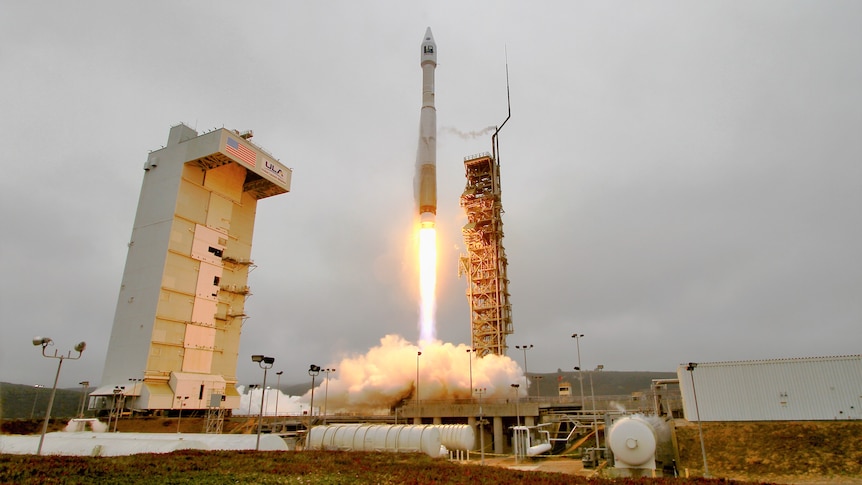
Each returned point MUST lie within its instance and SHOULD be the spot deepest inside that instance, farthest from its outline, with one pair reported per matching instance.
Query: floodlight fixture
(43, 341)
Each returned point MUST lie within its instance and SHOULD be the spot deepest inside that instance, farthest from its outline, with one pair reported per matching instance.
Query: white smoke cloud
(386, 374)
(468, 135)
(274, 401)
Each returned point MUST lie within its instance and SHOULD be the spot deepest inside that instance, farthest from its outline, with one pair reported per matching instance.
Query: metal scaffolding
(485, 262)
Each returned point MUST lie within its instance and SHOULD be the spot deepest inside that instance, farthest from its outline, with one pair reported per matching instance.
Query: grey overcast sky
(682, 181)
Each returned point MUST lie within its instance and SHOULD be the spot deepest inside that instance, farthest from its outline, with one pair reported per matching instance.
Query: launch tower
(175, 338)
(485, 262)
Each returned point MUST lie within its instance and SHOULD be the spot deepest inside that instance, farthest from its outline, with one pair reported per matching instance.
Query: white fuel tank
(633, 442)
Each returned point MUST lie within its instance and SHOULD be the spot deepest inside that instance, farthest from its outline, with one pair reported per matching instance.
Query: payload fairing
(425, 180)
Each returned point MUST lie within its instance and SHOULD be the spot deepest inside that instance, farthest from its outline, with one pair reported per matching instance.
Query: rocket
(425, 179)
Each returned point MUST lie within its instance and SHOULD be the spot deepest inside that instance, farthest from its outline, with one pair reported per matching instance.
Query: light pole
(517, 399)
(115, 408)
(690, 368)
(593, 395)
(35, 397)
(313, 371)
(578, 337)
(45, 342)
(480, 392)
(265, 363)
(136, 390)
(267, 388)
(326, 392)
(84, 386)
(525, 348)
(417, 388)
(538, 385)
(277, 391)
(470, 356)
(181, 400)
(251, 387)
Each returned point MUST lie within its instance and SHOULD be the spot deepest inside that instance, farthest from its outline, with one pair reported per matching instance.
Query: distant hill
(605, 383)
(19, 401)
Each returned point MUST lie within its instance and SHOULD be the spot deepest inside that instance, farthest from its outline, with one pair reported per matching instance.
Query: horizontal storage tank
(459, 437)
(123, 444)
(384, 437)
(633, 442)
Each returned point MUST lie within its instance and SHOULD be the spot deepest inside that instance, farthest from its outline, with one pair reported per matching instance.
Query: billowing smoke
(275, 403)
(468, 135)
(386, 375)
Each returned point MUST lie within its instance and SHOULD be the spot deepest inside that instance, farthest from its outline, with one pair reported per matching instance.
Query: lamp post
(265, 363)
(313, 371)
(480, 392)
(517, 399)
(115, 408)
(136, 390)
(525, 348)
(417, 389)
(45, 342)
(326, 392)
(277, 391)
(181, 402)
(593, 396)
(267, 388)
(538, 385)
(251, 387)
(578, 337)
(470, 356)
(84, 386)
(35, 397)
(690, 368)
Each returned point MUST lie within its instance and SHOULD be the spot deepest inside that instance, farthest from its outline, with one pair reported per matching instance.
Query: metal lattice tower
(215, 415)
(485, 262)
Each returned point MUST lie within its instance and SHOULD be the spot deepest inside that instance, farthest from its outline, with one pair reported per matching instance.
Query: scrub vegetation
(310, 467)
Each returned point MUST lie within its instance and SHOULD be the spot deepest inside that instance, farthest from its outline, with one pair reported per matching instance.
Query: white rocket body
(425, 180)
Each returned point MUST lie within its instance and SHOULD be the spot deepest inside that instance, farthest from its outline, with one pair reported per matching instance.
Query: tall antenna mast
(495, 144)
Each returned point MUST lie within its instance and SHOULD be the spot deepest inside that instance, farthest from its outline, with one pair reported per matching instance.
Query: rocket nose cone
(429, 48)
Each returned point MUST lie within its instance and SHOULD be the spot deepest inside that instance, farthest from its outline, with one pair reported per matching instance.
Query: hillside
(19, 401)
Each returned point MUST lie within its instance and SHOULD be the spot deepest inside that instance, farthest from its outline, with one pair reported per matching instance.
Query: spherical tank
(633, 441)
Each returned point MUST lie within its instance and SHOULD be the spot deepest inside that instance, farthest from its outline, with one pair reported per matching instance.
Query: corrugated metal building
(805, 389)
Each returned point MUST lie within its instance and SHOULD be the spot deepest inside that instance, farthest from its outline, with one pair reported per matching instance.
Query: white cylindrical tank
(72, 443)
(67, 446)
(633, 442)
(385, 437)
(457, 436)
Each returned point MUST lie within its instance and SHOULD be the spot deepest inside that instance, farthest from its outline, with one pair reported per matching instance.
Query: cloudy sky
(682, 181)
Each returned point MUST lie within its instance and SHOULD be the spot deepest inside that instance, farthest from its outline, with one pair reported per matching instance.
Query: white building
(804, 389)
(176, 330)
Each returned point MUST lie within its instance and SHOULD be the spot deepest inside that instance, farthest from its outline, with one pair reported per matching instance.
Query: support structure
(485, 263)
(181, 305)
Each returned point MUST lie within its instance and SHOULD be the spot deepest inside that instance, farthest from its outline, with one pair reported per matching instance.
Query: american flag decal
(240, 151)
